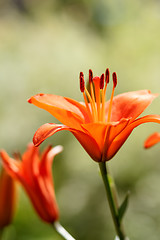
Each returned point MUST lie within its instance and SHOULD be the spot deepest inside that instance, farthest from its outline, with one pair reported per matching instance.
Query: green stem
(62, 232)
(111, 201)
(1, 234)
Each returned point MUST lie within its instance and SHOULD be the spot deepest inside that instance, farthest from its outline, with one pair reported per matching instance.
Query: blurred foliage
(43, 47)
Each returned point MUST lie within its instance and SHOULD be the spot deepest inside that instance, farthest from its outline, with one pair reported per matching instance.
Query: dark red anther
(107, 75)
(114, 76)
(82, 83)
(81, 74)
(102, 81)
(90, 75)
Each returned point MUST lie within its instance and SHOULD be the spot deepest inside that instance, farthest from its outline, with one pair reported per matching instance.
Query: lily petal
(152, 140)
(66, 110)
(30, 159)
(47, 130)
(12, 166)
(117, 128)
(45, 168)
(121, 138)
(96, 131)
(87, 141)
(8, 197)
(130, 104)
(113, 130)
(89, 144)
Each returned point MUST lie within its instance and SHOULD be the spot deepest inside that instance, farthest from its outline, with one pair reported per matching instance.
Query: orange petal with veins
(66, 110)
(121, 138)
(130, 104)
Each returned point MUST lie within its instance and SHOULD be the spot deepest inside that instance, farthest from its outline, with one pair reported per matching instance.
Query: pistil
(96, 81)
(104, 94)
(92, 93)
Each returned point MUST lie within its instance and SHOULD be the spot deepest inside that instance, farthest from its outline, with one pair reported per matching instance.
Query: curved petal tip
(54, 151)
(152, 140)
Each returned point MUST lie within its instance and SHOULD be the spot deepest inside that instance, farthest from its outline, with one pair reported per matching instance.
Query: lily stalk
(1, 234)
(62, 231)
(112, 201)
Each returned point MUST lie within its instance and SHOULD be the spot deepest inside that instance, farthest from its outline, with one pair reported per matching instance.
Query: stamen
(82, 88)
(103, 106)
(107, 75)
(87, 105)
(102, 81)
(93, 106)
(17, 156)
(114, 76)
(92, 91)
(81, 74)
(82, 83)
(90, 75)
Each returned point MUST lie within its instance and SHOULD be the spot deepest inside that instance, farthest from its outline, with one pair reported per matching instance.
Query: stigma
(94, 97)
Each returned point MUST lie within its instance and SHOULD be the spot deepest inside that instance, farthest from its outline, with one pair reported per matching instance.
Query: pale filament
(110, 105)
(93, 106)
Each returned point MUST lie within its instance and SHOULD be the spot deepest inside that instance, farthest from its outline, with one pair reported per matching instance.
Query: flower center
(95, 99)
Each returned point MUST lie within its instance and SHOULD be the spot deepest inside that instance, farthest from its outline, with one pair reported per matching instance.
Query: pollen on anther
(82, 83)
(107, 75)
(90, 75)
(102, 81)
(114, 76)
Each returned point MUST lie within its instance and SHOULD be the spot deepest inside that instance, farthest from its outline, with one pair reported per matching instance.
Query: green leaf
(122, 209)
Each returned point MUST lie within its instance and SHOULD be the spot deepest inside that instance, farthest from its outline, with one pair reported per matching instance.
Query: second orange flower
(34, 172)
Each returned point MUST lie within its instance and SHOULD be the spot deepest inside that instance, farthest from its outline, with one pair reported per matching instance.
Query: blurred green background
(43, 47)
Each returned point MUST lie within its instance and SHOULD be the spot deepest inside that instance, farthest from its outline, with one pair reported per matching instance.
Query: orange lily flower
(7, 198)
(36, 178)
(101, 127)
(152, 140)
